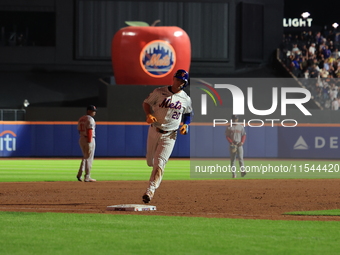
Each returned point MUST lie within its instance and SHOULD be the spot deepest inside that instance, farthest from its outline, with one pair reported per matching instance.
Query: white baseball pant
(239, 151)
(159, 149)
(87, 160)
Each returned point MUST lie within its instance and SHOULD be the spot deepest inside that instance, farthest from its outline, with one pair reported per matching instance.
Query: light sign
(297, 22)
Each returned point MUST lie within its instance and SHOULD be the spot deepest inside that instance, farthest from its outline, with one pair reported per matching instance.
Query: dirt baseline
(237, 198)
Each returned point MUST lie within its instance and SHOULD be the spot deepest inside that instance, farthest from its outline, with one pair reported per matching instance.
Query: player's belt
(164, 132)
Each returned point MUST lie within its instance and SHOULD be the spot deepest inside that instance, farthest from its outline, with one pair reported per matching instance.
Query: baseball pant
(88, 155)
(159, 149)
(239, 151)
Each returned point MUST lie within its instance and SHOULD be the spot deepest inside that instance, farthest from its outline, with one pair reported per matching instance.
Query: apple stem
(155, 22)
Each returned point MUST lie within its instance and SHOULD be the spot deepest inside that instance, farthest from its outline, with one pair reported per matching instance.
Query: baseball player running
(165, 109)
(87, 143)
(236, 136)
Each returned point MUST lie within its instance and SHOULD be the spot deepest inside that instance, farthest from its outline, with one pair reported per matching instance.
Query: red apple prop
(149, 55)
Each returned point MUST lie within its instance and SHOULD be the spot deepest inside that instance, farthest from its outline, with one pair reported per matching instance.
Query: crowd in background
(314, 58)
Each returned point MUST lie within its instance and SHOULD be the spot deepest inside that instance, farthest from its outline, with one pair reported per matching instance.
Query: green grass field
(61, 233)
(335, 212)
(18, 170)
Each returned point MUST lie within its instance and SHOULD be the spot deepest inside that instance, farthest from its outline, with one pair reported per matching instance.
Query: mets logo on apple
(158, 58)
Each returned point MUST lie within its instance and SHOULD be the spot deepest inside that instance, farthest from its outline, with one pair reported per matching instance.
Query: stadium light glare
(26, 103)
(305, 15)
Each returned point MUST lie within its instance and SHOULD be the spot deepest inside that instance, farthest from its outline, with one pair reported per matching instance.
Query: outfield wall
(128, 139)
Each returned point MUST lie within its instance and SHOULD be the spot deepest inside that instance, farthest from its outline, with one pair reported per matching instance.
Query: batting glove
(150, 118)
(184, 129)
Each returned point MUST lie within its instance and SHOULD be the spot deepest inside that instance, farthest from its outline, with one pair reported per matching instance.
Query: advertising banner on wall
(54, 139)
(309, 142)
(15, 140)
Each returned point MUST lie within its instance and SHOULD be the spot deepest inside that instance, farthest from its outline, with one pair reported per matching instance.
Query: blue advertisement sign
(15, 140)
(61, 140)
(309, 142)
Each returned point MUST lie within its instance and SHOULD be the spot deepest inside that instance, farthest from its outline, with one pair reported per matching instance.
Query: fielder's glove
(150, 118)
(184, 129)
(233, 148)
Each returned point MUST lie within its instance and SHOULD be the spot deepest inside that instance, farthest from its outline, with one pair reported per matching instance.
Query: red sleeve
(229, 140)
(243, 139)
(89, 135)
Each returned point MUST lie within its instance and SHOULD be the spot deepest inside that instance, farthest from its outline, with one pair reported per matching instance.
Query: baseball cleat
(243, 174)
(147, 197)
(233, 175)
(90, 180)
(79, 179)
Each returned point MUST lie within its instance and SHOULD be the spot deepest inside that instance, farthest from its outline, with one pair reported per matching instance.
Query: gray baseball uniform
(86, 128)
(236, 135)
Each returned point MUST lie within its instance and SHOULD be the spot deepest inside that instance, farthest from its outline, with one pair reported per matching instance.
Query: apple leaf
(137, 23)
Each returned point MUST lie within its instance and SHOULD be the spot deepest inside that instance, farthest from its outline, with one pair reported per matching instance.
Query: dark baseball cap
(92, 108)
(234, 117)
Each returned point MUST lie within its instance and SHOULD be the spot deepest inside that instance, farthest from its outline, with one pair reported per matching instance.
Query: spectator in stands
(318, 38)
(332, 58)
(320, 61)
(313, 71)
(326, 82)
(321, 46)
(310, 60)
(326, 52)
(303, 65)
(332, 67)
(313, 87)
(312, 49)
(335, 104)
(333, 93)
(324, 73)
(305, 80)
(304, 51)
(329, 66)
(331, 46)
(325, 92)
(325, 64)
(296, 50)
(337, 70)
(316, 59)
(290, 59)
(296, 67)
(336, 53)
(318, 93)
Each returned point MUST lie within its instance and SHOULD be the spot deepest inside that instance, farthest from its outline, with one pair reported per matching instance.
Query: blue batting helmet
(182, 75)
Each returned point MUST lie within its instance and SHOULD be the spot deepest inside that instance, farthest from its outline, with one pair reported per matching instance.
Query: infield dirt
(237, 198)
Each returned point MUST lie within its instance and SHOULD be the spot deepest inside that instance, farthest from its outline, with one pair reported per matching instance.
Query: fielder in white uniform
(236, 135)
(87, 143)
(165, 108)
